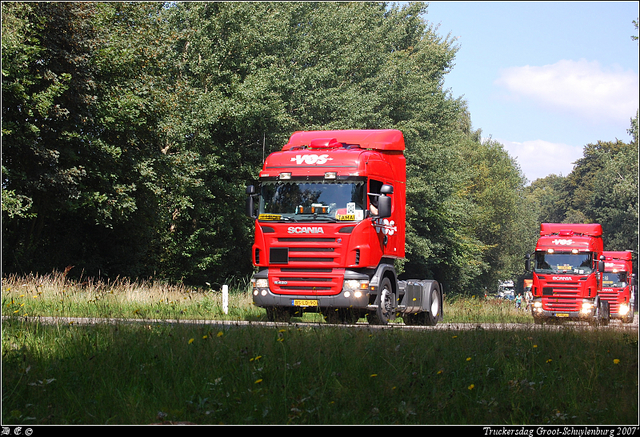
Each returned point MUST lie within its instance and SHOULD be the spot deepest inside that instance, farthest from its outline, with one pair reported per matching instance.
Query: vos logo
(311, 159)
(562, 242)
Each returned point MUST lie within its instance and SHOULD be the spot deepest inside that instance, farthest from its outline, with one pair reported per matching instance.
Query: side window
(374, 191)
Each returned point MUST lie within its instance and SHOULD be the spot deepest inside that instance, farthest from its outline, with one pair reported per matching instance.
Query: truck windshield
(614, 280)
(311, 201)
(566, 263)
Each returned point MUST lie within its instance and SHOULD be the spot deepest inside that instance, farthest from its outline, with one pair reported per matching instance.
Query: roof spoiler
(569, 229)
(377, 139)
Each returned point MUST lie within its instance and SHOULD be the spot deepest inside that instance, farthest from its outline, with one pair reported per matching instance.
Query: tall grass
(55, 295)
(122, 373)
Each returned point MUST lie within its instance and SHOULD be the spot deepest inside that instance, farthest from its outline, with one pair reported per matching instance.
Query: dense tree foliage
(602, 188)
(131, 129)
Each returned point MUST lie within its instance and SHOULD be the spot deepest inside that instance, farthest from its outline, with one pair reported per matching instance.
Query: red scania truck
(329, 222)
(567, 274)
(618, 284)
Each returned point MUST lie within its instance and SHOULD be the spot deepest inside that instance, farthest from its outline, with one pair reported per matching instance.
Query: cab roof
(570, 229)
(626, 255)
(377, 139)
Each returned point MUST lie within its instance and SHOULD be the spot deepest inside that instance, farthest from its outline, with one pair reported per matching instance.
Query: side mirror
(527, 263)
(384, 206)
(601, 264)
(632, 280)
(384, 201)
(386, 189)
(251, 192)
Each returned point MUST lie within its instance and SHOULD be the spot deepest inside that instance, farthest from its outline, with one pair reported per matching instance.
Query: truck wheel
(431, 318)
(426, 318)
(602, 315)
(383, 313)
(606, 313)
(277, 314)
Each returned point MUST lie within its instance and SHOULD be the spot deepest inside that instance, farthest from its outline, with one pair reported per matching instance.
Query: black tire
(385, 309)
(606, 313)
(435, 311)
(602, 315)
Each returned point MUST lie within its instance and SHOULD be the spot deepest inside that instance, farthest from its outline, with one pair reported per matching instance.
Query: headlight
(261, 283)
(353, 285)
(623, 309)
(586, 307)
(537, 304)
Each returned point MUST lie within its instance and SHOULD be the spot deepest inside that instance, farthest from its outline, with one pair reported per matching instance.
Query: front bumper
(625, 310)
(354, 294)
(588, 312)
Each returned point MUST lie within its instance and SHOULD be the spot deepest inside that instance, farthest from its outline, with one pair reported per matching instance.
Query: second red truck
(618, 284)
(567, 274)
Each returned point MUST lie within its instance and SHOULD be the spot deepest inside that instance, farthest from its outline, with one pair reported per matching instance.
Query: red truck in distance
(329, 216)
(619, 283)
(567, 274)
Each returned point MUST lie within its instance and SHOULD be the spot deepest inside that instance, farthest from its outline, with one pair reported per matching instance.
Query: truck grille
(611, 296)
(561, 297)
(309, 282)
(308, 266)
(324, 252)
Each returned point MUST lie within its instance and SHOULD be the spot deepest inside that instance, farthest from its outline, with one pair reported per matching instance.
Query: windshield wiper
(316, 217)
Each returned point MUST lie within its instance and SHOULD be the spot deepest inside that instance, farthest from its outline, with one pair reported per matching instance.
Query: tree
(46, 120)
(501, 220)
(131, 129)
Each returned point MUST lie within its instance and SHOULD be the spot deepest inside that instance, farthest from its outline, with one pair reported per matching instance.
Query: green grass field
(143, 373)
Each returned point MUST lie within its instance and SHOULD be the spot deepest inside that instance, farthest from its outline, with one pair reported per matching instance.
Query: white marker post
(225, 299)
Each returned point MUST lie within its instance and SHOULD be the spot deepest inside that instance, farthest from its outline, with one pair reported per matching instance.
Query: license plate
(304, 303)
(562, 315)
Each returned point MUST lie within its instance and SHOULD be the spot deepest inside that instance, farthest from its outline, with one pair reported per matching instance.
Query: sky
(544, 78)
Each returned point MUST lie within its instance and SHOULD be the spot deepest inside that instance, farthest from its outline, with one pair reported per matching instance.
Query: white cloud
(583, 88)
(539, 158)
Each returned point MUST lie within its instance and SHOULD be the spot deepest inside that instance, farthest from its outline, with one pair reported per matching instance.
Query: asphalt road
(614, 324)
